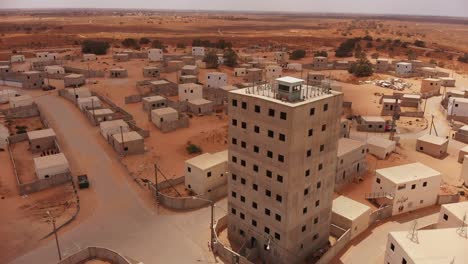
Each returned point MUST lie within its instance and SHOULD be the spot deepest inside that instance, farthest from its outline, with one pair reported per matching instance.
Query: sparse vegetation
(420, 43)
(362, 68)
(192, 149)
(181, 45)
(297, 54)
(94, 46)
(463, 58)
(157, 44)
(230, 58)
(144, 41)
(130, 43)
(321, 53)
(211, 59)
(346, 48)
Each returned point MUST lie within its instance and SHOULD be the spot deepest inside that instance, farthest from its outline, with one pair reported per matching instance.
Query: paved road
(121, 220)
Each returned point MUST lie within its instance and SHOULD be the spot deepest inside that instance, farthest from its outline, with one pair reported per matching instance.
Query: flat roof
(127, 136)
(434, 246)
(380, 142)
(102, 111)
(404, 63)
(189, 67)
(268, 95)
(390, 100)
(464, 128)
(289, 79)
(346, 145)
(200, 101)
(31, 72)
(408, 172)
(191, 85)
(464, 149)
(118, 69)
(53, 67)
(151, 68)
(459, 99)
(208, 160)
(21, 98)
(447, 78)
(373, 119)
(154, 98)
(164, 111)
(254, 70)
(35, 134)
(229, 87)
(216, 73)
(157, 82)
(433, 139)
(189, 76)
(349, 208)
(458, 209)
(74, 75)
(50, 161)
(89, 99)
(123, 54)
(431, 80)
(113, 123)
(412, 96)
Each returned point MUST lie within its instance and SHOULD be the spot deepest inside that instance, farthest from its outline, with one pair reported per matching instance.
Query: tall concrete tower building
(282, 158)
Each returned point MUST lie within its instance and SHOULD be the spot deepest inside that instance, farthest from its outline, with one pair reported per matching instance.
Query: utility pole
(156, 180)
(55, 234)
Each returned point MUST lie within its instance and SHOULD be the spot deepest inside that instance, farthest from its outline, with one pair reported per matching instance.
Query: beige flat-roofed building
(6, 94)
(462, 153)
(432, 145)
(403, 68)
(380, 147)
(91, 102)
(382, 65)
(188, 79)
(294, 66)
(320, 63)
(254, 75)
(118, 73)
(81, 92)
(17, 58)
(410, 100)
(121, 57)
(175, 64)
(40, 140)
(430, 87)
(152, 102)
(433, 246)
(273, 72)
(151, 72)
(200, 106)
(74, 80)
(109, 128)
(451, 215)
(350, 214)
(22, 100)
(190, 91)
(372, 124)
(240, 72)
(351, 161)
(163, 115)
(54, 69)
(89, 57)
(315, 78)
(198, 51)
(188, 60)
(447, 81)
(390, 106)
(206, 172)
(155, 54)
(189, 70)
(216, 79)
(464, 171)
(412, 186)
(100, 115)
(50, 165)
(126, 143)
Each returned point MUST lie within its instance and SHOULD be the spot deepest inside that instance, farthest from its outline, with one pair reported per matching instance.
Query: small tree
(358, 51)
(375, 55)
(181, 45)
(362, 68)
(321, 53)
(420, 43)
(94, 46)
(144, 41)
(297, 54)
(411, 55)
(463, 58)
(211, 59)
(157, 44)
(130, 43)
(192, 149)
(230, 58)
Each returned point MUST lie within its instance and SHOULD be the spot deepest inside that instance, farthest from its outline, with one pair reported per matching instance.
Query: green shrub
(230, 58)
(130, 43)
(95, 47)
(463, 58)
(192, 149)
(211, 59)
(321, 53)
(362, 68)
(145, 41)
(297, 54)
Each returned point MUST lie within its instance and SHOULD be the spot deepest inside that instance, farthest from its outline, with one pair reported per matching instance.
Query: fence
(88, 73)
(91, 253)
(21, 111)
(225, 253)
(448, 198)
(335, 249)
(17, 138)
(188, 203)
(381, 213)
(136, 98)
(41, 184)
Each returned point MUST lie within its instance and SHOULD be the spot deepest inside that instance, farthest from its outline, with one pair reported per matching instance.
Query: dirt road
(120, 219)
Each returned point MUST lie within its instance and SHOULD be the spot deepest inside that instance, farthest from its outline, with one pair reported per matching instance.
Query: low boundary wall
(188, 203)
(226, 253)
(41, 184)
(90, 253)
(335, 249)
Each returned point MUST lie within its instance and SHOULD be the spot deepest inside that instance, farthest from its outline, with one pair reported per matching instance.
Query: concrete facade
(50, 165)
(240, 72)
(216, 79)
(17, 58)
(109, 128)
(41, 140)
(273, 72)
(127, 143)
(451, 215)
(89, 57)
(457, 109)
(118, 73)
(151, 72)
(22, 100)
(205, 172)
(280, 192)
(372, 124)
(189, 70)
(121, 57)
(54, 69)
(163, 115)
(390, 106)
(32, 79)
(200, 106)
(350, 214)
(294, 67)
(315, 78)
(91, 102)
(100, 115)
(198, 51)
(382, 65)
(351, 161)
(320, 63)
(432, 145)
(403, 69)
(74, 80)
(188, 79)
(430, 87)
(254, 75)
(190, 91)
(380, 147)
(155, 55)
(152, 102)
(412, 186)
(447, 81)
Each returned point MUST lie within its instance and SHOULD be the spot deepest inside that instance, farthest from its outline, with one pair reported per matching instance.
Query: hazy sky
(420, 7)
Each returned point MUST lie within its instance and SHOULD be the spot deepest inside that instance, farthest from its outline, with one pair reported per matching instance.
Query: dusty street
(116, 214)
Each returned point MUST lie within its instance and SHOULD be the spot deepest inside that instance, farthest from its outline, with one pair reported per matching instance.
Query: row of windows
(403, 186)
(392, 247)
(255, 224)
(272, 112)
